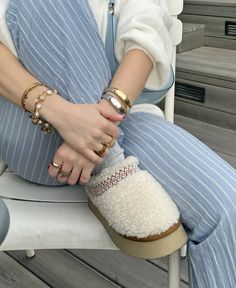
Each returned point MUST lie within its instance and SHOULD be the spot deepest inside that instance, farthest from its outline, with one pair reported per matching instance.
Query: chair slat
(175, 6)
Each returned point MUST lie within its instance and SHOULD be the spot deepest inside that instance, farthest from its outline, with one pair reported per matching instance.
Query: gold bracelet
(26, 92)
(45, 126)
(119, 94)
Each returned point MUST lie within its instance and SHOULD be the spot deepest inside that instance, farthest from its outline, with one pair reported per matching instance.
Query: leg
(64, 51)
(203, 187)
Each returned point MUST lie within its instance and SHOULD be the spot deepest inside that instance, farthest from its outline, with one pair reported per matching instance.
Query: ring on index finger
(101, 151)
(110, 141)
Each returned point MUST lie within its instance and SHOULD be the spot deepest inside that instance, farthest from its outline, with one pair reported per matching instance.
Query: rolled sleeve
(5, 36)
(145, 25)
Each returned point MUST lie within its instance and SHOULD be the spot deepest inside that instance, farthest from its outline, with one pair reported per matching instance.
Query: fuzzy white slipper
(134, 207)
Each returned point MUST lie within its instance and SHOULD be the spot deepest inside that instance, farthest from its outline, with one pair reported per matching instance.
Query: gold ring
(101, 151)
(55, 165)
(63, 173)
(110, 142)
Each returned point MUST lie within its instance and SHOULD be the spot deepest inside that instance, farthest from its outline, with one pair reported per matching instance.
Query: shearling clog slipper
(136, 211)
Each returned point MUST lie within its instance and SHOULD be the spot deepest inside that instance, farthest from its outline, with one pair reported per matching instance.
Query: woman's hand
(83, 126)
(73, 163)
(106, 109)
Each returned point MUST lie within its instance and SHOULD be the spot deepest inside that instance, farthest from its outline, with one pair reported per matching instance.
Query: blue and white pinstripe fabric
(200, 182)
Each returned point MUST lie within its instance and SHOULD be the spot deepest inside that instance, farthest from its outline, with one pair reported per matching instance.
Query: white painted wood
(176, 32)
(175, 7)
(41, 225)
(183, 251)
(174, 270)
(30, 253)
(14, 187)
(170, 97)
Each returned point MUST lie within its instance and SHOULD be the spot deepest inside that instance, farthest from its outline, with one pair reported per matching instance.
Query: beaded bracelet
(45, 126)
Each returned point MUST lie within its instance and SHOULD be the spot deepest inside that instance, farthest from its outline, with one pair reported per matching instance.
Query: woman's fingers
(112, 130)
(74, 176)
(86, 173)
(64, 172)
(55, 166)
(109, 141)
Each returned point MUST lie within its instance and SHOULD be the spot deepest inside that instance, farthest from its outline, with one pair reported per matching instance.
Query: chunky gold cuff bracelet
(119, 94)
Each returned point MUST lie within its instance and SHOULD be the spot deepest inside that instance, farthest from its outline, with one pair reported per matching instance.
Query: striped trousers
(200, 182)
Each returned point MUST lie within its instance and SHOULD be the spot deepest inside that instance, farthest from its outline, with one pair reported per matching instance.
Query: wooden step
(221, 140)
(193, 37)
(219, 18)
(206, 86)
(208, 65)
(219, 31)
(221, 8)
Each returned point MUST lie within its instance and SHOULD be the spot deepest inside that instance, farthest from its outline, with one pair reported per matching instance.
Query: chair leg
(174, 270)
(183, 251)
(30, 253)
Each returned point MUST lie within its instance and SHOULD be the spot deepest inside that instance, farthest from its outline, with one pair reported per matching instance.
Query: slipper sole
(144, 249)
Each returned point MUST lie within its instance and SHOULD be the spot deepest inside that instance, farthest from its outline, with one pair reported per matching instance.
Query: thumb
(113, 116)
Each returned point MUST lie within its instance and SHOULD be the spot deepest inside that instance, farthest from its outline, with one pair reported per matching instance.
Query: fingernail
(124, 117)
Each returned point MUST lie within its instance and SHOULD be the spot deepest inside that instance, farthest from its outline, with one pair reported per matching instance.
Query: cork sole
(144, 249)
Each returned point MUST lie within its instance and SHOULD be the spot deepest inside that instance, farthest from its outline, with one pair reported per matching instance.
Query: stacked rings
(61, 172)
(110, 141)
(55, 165)
(101, 151)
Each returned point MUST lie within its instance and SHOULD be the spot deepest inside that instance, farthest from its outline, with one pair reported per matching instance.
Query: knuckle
(59, 154)
(104, 124)
(70, 159)
(97, 134)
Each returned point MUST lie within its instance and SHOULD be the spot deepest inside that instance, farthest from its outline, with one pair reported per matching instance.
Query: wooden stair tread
(190, 27)
(212, 2)
(209, 61)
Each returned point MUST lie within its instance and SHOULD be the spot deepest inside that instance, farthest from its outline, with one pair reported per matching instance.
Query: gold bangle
(119, 94)
(26, 92)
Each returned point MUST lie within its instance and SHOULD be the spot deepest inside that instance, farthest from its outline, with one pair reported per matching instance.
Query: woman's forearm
(14, 79)
(132, 74)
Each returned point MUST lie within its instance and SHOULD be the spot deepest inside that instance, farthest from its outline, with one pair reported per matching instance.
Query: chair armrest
(3, 166)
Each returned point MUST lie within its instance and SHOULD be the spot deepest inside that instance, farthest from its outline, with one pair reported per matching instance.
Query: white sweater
(143, 24)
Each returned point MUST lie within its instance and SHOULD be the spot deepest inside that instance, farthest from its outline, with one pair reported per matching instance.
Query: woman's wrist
(53, 109)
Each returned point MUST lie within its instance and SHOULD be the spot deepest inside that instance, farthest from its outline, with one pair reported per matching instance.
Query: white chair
(36, 217)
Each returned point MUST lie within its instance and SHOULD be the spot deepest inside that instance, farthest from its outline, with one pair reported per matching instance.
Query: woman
(45, 37)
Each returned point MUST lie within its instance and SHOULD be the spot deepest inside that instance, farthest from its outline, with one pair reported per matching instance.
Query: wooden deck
(83, 269)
